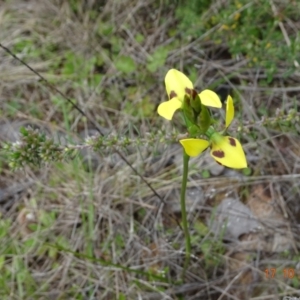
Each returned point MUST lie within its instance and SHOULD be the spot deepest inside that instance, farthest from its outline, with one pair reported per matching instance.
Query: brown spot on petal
(194, 94)
(191, 92)
(172, 95)
(218, 153)
(188, 91)
(232, 142)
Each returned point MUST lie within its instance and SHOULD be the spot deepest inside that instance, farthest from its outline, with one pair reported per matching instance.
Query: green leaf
(201, 228)
(247, 171)
(158, 59)
(205, 174)
(125, 64)
(23, 131)
(139, 38)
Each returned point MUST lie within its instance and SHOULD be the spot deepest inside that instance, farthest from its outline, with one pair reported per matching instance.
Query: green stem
(183, 212)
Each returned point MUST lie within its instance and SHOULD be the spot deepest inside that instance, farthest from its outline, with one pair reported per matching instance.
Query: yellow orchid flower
(178, 86)
(226, 150)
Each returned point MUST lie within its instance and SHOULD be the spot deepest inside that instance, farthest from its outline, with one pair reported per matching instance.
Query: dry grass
(71, 233)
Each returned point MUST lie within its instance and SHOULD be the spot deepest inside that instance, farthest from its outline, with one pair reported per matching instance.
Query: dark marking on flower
(172, 95)
(191, 92)
(232, 142)
(219, 163)
(188, 91)
(194, 94)
(218, 153)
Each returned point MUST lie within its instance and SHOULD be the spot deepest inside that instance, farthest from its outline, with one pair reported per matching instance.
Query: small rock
(194, 199)
(234, 218)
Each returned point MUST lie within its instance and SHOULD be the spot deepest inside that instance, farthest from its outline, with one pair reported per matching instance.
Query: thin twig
(43, 79)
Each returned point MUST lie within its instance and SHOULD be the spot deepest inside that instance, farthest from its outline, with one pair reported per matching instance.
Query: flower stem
(183, 212)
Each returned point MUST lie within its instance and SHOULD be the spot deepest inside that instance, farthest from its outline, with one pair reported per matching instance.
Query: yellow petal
(210, 98)
(228, 152)
(176, 84)
(229, 111)
(193, 147)
(168, 108)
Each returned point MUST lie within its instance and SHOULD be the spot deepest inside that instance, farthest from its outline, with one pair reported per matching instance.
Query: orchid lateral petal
(168, 108)
(229, 111)
(194, 147)
(177, 84)
(228, 152)
(210, 98)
